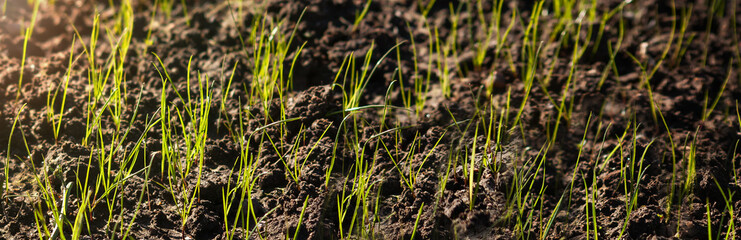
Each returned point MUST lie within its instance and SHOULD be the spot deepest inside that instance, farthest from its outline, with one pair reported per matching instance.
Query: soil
(681, 89)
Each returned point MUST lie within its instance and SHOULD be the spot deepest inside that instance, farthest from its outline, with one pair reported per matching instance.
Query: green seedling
(443, 183)
(531, 45)
(522, 195)
(150, 26)
(673, 147)
(707, 110)
(631, 173)
(6, 186)
(715, 8)
(359, 16)
(360, 217)
(185, 12)
(167, 5)
(710, 223)
(578, 158)
(445, 50)
(223, 112)
(425, 8)
(295, 171)
(353, 86)
(58, 227)
(590, 208)
(110, 73)
(110, 181)
(181, 159)
(57, 122)
(552, 218)
(611, 50)
(529, 49)
(690, 170)
(646, 76)
(359, 193)
(729, 208)
(681, 49)
(141, 146)
(416, 221)
(410, 177)
(300, 220)
(421, 84)
(26, 38)
(490, 27)
(470, 164)
(245, 169)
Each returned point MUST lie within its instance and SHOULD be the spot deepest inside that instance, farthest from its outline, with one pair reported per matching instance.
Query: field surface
(369, 119)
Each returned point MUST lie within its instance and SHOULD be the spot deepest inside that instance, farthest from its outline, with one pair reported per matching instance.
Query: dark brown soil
(680, 89)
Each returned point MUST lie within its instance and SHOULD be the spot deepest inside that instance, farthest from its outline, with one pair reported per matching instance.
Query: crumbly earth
(601, 109)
